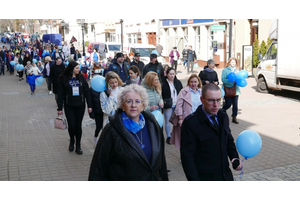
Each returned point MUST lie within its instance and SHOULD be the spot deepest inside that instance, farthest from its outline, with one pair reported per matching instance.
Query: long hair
(150, 76)
(68, 72)
(135, 69)
(230, 59)
(194, 76)
(112, 75)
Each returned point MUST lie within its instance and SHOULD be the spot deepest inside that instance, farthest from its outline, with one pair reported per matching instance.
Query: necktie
(215, 122)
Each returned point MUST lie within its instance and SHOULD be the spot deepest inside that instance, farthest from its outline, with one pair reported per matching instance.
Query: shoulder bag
(174, 119)
(230, 91)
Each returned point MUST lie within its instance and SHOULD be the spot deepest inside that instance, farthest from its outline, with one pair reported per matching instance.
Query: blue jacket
(54, 57)
(12, 59)
(115, 67)
(31, 79)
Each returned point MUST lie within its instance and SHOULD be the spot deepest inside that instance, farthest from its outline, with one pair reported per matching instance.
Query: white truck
(279, 69)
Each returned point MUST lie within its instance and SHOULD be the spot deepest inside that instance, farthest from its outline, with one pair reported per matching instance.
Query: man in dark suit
(206, 141)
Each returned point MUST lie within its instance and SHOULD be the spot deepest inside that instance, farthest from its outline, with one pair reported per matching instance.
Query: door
(269, 65)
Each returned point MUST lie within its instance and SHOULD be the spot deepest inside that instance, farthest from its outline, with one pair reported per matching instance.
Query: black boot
(234, 120)
(78, 150)
(71, 146)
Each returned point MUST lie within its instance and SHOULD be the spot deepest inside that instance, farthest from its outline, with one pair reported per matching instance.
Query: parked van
(279, 69)
(144, 50)
(105, 49)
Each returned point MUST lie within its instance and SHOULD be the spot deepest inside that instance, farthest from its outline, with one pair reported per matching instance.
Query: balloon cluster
(45, 53)
(240, 78)
(19, 67)
(39, 81)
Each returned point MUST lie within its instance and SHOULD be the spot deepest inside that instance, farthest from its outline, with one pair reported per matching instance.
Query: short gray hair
(133, 88)
(210, 61)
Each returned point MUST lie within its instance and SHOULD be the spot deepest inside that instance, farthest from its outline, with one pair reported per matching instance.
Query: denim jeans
(167, 115)
(231, 101)
(185, 63)
(32, 88)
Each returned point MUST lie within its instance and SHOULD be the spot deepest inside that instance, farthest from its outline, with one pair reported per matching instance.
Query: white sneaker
(50, 92)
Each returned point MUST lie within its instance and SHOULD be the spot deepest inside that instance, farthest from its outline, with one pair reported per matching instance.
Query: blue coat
(31, 79)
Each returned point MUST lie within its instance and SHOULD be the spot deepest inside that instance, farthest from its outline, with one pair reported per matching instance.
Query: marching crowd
(131, 145)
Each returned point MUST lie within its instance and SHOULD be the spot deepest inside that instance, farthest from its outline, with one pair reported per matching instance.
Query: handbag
(196, 65)
(230, 91)
(60, 123)
(174, 119)
(168, 103)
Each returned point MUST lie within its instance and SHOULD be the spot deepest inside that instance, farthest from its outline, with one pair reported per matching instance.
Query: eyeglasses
(130, 102)
(212, 101)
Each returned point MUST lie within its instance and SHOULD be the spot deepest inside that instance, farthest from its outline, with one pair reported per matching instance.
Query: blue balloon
(12, 62)
(159, 117)
(39, 80)
(242, 74)
(53, 51)
(231, 76)
(223, 92)
(47, 53)
(43, 54)
(34, 60)
(241, 82)
(79, 66)
(248, 143)
(20, 67)
(37, 84)
(67, 63)
(155, 52)
(98, 83)
(44, 51)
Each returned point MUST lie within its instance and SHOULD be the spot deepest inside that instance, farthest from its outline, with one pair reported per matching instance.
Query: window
(272, 53)
(129, 38)
(144, 52)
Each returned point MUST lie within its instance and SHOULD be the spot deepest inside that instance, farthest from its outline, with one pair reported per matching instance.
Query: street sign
(217, 28)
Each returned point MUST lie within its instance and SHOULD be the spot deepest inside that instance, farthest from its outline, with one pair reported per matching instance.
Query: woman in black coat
(77, 55)
(209, 75)
(126, 151)
(73, 90)
(97, 112)
(171, 87)
(55, 71)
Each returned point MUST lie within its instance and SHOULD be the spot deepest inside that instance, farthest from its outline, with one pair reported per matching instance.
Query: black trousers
(99, 123)
(174, 65)
(20, 74)
(74, 117)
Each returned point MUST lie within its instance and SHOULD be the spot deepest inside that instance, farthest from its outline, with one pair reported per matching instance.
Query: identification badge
(75, 91)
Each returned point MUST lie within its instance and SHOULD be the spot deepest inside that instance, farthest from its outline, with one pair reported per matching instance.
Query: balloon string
(241, 168)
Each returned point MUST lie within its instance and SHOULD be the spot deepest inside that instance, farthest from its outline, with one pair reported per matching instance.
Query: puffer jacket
(118, 157)
(153, 96)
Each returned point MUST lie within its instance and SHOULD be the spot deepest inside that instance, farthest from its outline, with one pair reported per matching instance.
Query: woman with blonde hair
(188, 101)
(153, 88)
(231, 67)
(108, 98)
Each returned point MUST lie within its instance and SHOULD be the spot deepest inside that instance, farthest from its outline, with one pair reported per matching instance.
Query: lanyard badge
(75, 90)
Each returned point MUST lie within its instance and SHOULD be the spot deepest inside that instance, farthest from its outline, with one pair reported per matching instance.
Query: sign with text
(248, 59)
(217, 28)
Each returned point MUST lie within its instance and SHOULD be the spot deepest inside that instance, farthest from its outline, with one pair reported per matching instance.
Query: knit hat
(118, 55)
(153, 55)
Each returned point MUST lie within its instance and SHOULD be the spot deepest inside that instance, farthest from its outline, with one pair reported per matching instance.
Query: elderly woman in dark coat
(131, 146)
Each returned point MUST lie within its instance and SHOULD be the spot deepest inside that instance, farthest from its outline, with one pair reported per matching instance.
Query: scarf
(135, 80)
(209, 70)
(131, 125)
(233, 69)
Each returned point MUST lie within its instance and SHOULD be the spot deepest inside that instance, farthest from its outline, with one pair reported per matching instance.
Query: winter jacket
(211, 77)
(153, 96)
(31, 79)
(65, 94)
(150, 67)
(191, 55)
(96, 105)
(139, 65)
(77, 56)
(226, 82)
(53, 57)
(118, 156)
(55, 72)
(44, 72)
(165, 88)
(26, 59)
(115, 67)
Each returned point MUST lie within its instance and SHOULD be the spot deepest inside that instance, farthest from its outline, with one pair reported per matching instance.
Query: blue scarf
(131, 125)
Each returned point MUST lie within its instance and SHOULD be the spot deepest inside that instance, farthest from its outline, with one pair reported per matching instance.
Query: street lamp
(81, 22)
(121, 21)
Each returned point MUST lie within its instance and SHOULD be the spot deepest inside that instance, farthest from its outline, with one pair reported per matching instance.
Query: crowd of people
(130, 143)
